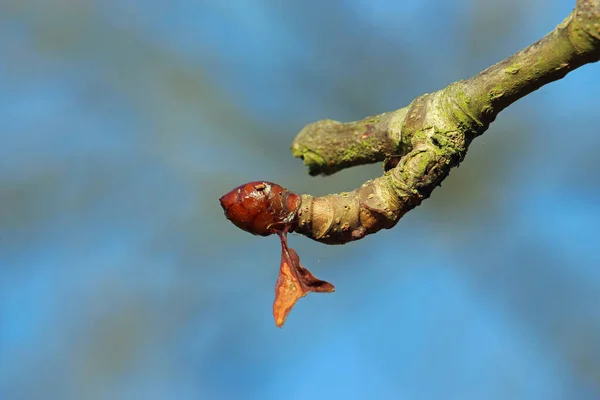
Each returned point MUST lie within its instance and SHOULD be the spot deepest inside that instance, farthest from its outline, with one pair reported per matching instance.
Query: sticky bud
(261, 208)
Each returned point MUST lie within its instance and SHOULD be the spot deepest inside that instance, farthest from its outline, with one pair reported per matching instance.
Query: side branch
(345, 145)
(423, 141)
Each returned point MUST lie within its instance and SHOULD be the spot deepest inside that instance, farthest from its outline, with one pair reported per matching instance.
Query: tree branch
(423, 141)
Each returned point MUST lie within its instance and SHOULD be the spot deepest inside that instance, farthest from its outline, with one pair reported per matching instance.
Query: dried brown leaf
(294, 282)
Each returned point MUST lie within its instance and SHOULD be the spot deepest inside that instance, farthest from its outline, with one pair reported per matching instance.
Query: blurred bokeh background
(123, 121)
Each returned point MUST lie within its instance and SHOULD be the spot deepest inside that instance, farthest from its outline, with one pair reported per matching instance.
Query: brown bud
(261, 208)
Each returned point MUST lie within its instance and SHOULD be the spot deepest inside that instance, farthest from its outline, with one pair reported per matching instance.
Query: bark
(420, 143)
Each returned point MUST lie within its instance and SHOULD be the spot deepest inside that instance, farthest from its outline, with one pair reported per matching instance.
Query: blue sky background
(122, 123)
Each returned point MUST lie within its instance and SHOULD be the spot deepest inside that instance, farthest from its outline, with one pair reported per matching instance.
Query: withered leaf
(294, 282)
